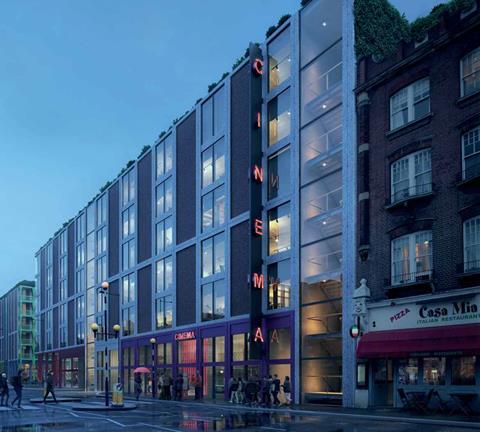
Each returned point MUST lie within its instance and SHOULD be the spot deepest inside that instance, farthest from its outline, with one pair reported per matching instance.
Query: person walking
(179, 387)
(138, 386)
(232, 387)
(167, 387)
(49, 388)
(4, 391)
(266, 391)
(275, 389)
(239, 394)
(17, 387)
(198, 382)
(287, 390)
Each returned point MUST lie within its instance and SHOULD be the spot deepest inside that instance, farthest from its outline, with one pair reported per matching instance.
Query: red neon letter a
(258, 335)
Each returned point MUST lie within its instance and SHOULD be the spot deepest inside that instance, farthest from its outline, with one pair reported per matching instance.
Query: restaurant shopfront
(217, 351)
(416, 345)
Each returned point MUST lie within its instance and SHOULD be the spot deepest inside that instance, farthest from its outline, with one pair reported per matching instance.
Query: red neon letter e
(258, 227)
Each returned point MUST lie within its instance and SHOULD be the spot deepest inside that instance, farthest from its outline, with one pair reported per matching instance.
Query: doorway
(383, 382)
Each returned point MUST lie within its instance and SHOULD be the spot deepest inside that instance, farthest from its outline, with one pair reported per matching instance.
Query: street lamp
(153, 341)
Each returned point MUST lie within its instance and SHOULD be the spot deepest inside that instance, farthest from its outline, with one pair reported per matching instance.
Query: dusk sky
(84, 85)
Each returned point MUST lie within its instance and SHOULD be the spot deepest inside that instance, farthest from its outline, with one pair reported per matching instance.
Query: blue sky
(84, 85)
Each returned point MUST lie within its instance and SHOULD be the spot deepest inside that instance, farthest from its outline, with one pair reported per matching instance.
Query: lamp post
(152, 342)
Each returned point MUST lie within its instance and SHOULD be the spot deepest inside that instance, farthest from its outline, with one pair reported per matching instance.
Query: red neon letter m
(258, 281)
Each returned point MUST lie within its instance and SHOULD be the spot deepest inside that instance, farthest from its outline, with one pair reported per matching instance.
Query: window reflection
(279, 59)
(279, 285)
(279, 229)
(279, 174)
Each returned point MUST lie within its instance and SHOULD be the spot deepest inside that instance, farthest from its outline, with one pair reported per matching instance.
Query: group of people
(169, 388)
(257, 391)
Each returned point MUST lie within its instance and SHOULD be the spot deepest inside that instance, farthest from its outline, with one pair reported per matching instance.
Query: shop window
(187, 351)
(412, 258)
(408, 371)
(362, 375)
(220, 349)
(463, 370)
(434, 370)
(471, 153)
(240, 347)
(279, 285)
(279, 344)
(164, 353)
(214, 349)
(410, 103)
(471, 244)
(411, 176)
(213, 163)
(470, 72)
(279, 174)
(279, 118)
(279, 229)
(279, 59)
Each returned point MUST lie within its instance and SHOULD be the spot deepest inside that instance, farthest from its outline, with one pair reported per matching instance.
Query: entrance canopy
(455, 339)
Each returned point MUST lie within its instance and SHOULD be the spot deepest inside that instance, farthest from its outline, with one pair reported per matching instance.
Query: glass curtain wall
(321, 200)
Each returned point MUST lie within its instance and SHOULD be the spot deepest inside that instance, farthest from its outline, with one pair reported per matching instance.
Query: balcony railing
(409, 278)
(469, 174)
(410, 193)
(468, 267)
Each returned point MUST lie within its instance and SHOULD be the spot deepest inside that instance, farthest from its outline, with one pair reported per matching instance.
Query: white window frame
(410, 102)
(471, 226)
(411, 276)
(419, 189)
(464, 136)
(462, 77)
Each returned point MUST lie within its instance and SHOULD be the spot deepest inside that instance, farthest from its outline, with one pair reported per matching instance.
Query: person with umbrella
(138, 380)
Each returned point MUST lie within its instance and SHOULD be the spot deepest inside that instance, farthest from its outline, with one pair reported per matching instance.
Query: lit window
(471, 244)
(434, 370)
(471, 153)
(279, 285)
(412, 258)
(279, 118)
(470, 72)
(411, 176)
(463, 370)
(213, 163)
(279, 59)
(410, 103)
(279, 229)
(213, 209)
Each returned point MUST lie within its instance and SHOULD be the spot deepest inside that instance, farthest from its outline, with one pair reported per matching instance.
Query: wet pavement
(187, 416)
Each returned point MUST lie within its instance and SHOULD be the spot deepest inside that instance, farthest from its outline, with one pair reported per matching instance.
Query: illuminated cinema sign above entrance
(185, 335)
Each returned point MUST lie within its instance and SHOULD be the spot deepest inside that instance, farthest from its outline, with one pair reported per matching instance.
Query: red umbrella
(142, 370)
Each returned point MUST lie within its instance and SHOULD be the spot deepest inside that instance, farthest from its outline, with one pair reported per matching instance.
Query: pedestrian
(239, 394)
(186, 384)
(160, 386)
(287, 390)
(198, 385)
(17, 387)
(251, 392)
(232, 385)
(179, 387)
(275, 389)
(138, 386)
(4, 391)
(49, 388)
(167, 389)
(266, 391)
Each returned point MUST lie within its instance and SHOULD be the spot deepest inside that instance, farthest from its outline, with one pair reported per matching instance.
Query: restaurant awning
(461, 339)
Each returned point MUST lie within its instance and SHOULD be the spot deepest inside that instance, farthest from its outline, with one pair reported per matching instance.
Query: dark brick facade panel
(55, 327)
(442, 133)
(186, 175)
(71, 259)
(71, 323)
(144, 208)
(144, 299)
(186, 291)
(240, 294)
(56, 269)
(114, 304)
(240, 138)
(113, 230)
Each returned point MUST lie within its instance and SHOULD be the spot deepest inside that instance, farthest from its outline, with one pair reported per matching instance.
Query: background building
(17, 330)
(419, 213)
(226, 241)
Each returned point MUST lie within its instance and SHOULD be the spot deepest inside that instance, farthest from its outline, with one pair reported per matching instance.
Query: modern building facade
(227, 240)
(419, 215)
(17, 330)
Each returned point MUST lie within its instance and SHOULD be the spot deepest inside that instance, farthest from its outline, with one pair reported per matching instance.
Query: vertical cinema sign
(256, 277)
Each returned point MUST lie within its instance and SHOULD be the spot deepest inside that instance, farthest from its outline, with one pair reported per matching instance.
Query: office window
(471, 153)
(164, 235)
(213, 300)
(214, 115)
(80, 333)
(90, 246)
(213, 209)
(63, 267)
(279, 283)
(101, 270)
(164, 274)
(470, 72)
(410, 103)
(279, 59)
(128, 187)
(80, 307)
(279, 174)
(90, 218)
(213, 255)
(63, 290)
(128, 321)
(164, 197)
(128, 288)
(80, 281)
(463, 370)
(279, 229)
(279, 117)
(164, 156)
(411, 175)
(412, 258)
(128, 254)
(128, 221)
(80, 227)
(213, 163)
(471, 244)
(164, 312)
(102, 203)
(80, 255)
(63, 243)
(101, 240)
